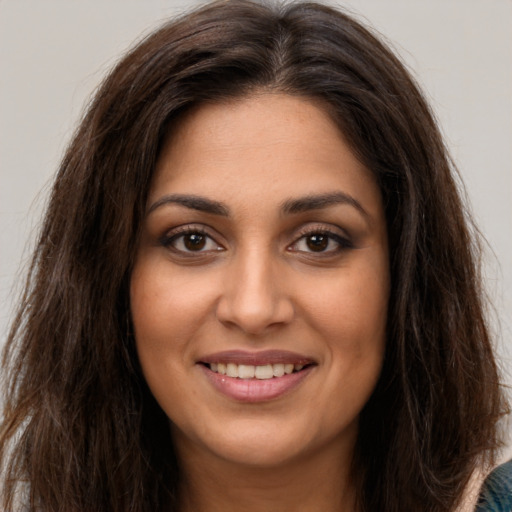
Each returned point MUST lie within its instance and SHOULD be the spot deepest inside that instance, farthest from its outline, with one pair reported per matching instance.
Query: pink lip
(257, 358)
(255, 390)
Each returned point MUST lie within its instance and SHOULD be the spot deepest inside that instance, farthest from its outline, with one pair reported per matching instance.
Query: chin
(264, 454)
(263, 443)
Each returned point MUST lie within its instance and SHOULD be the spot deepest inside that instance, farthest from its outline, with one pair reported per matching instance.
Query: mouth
(263, 365)
(256, 376)
(250, 371)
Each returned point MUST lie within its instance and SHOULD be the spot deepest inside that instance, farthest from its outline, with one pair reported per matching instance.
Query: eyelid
(335, 233)
(174, 233)
(321, 227)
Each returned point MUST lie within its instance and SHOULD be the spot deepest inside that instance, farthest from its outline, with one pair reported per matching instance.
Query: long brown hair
(81, 431)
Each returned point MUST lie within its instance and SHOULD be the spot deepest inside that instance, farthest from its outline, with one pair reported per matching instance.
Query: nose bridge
(254, 296)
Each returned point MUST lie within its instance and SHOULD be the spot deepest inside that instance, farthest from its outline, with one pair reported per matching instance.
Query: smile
(256, 376)
(249, 371)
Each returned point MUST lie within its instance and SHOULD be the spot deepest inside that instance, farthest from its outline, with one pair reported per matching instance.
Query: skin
(257, 284)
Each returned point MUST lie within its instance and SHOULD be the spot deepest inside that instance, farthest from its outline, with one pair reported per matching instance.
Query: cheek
(166, 306)
(352, 308)
(350, 316)
(349, 313)
(164, 313)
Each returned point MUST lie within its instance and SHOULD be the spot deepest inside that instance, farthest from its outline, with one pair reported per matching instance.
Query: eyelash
(343, 243)
(169, 240)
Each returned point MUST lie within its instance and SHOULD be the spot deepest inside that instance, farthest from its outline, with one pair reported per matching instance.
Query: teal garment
(496, 495)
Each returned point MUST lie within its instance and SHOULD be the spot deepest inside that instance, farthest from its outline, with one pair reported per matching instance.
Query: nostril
(254, 316)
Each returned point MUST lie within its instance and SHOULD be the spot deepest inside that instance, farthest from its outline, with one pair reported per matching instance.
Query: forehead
(258, 145)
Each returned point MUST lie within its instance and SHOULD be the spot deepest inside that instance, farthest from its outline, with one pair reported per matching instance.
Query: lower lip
(255, 390)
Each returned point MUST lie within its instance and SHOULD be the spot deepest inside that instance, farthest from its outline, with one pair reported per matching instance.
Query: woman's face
(260, 289)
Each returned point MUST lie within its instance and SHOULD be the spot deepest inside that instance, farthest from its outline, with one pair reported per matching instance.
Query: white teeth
(232, 370)
(278, 369)
(246, 371)
(264, 372)
(249, 371)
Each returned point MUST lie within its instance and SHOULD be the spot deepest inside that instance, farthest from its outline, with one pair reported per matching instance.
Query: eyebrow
(288, 207)
(193, 202)
(320, 201)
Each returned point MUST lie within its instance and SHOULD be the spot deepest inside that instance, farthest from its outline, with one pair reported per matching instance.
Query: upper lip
(260, 358)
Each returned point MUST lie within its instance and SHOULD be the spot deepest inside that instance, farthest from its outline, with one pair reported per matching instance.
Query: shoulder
(496, 493)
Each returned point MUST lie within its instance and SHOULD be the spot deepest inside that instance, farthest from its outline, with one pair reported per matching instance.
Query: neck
(321, 482)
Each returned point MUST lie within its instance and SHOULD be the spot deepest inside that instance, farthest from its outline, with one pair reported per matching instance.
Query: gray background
(54, 53)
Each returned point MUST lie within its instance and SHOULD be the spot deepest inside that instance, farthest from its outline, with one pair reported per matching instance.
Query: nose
(254, 297)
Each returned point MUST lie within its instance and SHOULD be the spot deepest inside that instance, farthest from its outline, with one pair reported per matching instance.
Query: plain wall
(53, 53)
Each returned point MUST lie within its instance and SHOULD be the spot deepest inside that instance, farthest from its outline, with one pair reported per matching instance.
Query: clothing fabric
(496, 494)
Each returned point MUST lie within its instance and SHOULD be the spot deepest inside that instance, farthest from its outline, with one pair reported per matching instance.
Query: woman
(254, 288)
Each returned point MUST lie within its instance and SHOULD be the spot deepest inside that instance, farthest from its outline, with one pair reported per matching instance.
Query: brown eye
(325, 243)
(317, 242)
(194, 241)
(190, 241)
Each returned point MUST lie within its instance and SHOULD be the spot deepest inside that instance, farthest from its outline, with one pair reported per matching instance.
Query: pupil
(317, 242)
(194, 242)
